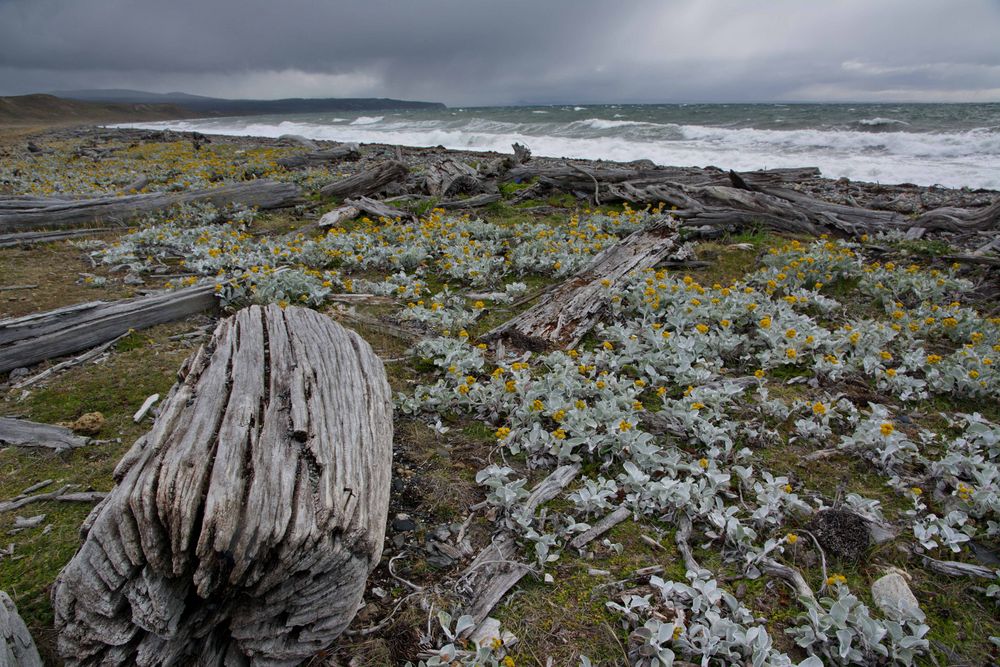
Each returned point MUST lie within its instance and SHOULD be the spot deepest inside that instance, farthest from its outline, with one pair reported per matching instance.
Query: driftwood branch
(496, 569)
(604, 525)
(245, 523)
(956, 569)
(62, 495)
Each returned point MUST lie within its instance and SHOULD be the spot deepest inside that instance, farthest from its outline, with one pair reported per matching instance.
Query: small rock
(893, 596)
(379, 592)
(398, 485)
(19, 373)
(404, 525)
(133, 279)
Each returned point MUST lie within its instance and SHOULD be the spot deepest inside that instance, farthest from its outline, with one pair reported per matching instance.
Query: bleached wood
(24, 433)
(497, 568)
(954, 568)
(565, 313)
(17, 648)
(344, 152)
(245, 523)
(27, 214)
(366, 182)
(609, 521)
(61, 495)
(27, 340)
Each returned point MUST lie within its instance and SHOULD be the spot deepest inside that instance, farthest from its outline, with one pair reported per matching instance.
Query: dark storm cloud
(468, 51)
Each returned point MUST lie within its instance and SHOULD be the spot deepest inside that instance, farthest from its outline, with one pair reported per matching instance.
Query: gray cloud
(474, 52)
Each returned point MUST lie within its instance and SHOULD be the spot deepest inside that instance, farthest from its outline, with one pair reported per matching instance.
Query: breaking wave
(969, 158)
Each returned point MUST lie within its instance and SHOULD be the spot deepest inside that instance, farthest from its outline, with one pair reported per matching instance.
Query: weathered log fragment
(22, 214)
(24, 433)
(379, 209)
(245, 523)
(28, 340)
(367, 182)
(566, 312)
(342, 153)
(451, 177)
(17, 649)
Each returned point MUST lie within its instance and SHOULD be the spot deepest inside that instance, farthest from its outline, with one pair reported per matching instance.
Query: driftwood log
(366, 182)
(565, 313)
(244, 524)
(21, 214)
(343, 153)
(28, 340)
(17, 649)
(24, 433)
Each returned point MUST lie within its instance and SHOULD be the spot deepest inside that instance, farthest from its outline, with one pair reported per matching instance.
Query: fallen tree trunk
(245, 523)
(24, 433)
(28, 340)
(17, 649)
(367, 182)
(25, 214)
(343, 153)
(566, 312)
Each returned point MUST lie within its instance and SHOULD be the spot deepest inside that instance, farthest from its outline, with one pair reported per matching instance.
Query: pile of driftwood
(788, 200)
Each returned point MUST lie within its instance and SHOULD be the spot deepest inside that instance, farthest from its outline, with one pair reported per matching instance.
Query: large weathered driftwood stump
(245, 523)
(17, 649)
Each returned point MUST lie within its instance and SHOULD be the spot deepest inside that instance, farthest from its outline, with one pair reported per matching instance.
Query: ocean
(955, 145)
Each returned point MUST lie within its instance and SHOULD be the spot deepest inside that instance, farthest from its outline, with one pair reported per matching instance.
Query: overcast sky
(465, 52)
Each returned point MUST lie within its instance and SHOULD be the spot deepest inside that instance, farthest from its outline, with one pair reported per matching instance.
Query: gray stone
(893, 596)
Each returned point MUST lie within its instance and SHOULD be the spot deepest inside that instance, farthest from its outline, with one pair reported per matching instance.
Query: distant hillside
(39, 108)
(212, 106)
